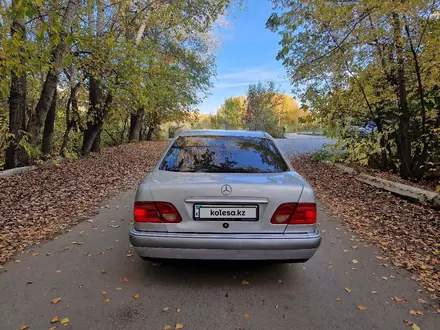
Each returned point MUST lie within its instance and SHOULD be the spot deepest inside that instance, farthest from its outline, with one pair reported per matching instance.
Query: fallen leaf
(354, 246)
(415, 326)
(438, 310)
(413, 312)
(421, 301)
(55, 319)
(246, 316)
(338, 299)
(178, 310)
(385, 278)
(52, 328)
(167, 327)
(244, 282)
(409, 323)
(103, 271)
(125, 279)
(58, 271)
(118, 289)
(398, 299)
(65, 321)
(81, 233)
(55, 300)
(24, 327)
(29, 282)
(109, 248)
(64, 249)
(18, 261)
(104, 292)
(179, 326)
(35, 254)
(90, 220)
(107, 300)
(113, 226)
(129, 254)
(362, 308)
(136, 296)
(165, 309)
(88, 254)
(373, 292)
(345, 250)
(348, 290)
(276, 306)
(354, 261)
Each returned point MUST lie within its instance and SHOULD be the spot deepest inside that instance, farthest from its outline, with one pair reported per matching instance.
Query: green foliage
(368, 61)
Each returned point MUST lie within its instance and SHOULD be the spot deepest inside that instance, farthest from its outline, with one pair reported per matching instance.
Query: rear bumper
(298, 246)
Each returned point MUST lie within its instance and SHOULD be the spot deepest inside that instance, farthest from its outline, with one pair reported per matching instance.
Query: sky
(247, 54)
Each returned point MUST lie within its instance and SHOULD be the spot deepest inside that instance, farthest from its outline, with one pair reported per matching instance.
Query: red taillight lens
(304, 214)
(156, 212)
(283, 213)
(169, 212)
(295, 214)
(146, 212)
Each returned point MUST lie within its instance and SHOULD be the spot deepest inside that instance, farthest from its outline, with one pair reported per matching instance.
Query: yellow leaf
(244, 282)
(362, 308)
(348, 290)
(24, 327)
(118, 289)
(52, 328)
(398, 299)
(55, 319)
(355, 261)
(385, 278)
(373, 292)
(125, 280)
(29, 282)
(35, 254)
(104, 292)
(276, 306)
(354, 246)
(107, 300)
(17, 261)
(167, 327)
(179, 326)
(65, 321)
(178, 310)
(58, 271)
(415, 326)
(338, 299)
(246, 316)
(413, 312)
(345, 250)
(55, 300)
(136, 296)
(165, 309)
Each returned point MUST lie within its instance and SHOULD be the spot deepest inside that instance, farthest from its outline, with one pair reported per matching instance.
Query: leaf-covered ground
(37, 205)
(408, 234)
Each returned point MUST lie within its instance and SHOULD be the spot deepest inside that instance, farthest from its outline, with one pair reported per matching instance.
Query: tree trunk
(39, 116)
(135, 125)
(97, 113)
(16, 155)
(403, 140)
(71, 112)
(46, 146)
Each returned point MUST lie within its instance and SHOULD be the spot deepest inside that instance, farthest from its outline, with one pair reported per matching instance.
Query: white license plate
(220, 212)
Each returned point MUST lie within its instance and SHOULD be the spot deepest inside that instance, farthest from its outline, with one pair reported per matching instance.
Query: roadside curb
(24, 169)
(409, 192)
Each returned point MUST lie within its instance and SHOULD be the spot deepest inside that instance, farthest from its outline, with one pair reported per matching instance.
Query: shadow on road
(219, 273)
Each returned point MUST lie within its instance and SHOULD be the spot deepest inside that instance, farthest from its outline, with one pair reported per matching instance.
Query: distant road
(297, 143)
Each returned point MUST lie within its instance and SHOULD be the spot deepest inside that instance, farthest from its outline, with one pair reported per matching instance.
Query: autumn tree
(369, 60)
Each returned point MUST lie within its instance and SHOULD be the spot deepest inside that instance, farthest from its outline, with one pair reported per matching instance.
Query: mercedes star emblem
(226, 189)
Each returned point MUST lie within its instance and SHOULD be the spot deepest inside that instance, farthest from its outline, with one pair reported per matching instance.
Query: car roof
(222, 132)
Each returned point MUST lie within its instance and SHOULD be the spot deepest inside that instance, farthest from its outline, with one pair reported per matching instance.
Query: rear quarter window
(223, 154)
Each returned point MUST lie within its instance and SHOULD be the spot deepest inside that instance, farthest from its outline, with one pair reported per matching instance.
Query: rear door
(225, 184)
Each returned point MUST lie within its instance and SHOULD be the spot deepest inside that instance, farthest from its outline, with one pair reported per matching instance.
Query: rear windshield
(223, 154)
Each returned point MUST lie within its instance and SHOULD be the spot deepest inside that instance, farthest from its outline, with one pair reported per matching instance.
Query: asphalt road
(201, 295)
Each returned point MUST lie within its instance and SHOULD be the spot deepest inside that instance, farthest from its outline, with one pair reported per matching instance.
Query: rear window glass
(223, 154)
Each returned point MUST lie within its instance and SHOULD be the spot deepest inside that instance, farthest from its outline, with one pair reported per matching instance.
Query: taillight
(168, 212)
(291, 213)
(304, 214)
(156, 212)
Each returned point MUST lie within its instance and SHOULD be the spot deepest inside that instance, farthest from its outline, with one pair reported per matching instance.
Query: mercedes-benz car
(224, 195)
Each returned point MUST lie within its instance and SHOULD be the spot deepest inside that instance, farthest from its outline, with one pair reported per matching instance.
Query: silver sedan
(224, 195)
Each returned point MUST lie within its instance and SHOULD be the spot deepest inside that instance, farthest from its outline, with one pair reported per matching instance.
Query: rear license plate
(226, 212)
